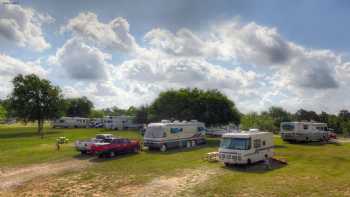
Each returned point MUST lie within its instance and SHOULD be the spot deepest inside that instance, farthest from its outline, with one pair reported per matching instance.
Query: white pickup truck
(84, 146)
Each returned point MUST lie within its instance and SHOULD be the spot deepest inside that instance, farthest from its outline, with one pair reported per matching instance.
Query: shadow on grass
(258, 167)
(26, 134)
(317, 143)
(106, 159)
(96, 159)
(280, 146)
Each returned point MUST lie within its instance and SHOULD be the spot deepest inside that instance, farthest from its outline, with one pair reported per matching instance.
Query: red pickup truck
(116, 146)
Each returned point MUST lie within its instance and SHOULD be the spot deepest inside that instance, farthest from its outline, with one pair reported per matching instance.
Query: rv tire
(249, 161)
(188, 144)
(194, 143)
(227, 164)
(163, 148)
(111, 154)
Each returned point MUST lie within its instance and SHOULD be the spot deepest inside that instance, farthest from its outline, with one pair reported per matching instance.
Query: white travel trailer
(245, 147)
(304, 131)
(120, 122)
(166, 134)
(71, 122)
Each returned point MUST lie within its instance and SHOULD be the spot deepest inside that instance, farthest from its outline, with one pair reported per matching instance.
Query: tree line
(36, 100)
(271, 119)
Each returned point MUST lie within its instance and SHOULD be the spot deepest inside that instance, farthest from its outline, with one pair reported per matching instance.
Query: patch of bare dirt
(15, 177)
(168, 186)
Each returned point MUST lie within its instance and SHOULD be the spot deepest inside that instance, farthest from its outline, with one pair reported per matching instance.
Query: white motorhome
(246, 147)
(167, 134)
(71, 122)
(120, 122)
(304, 131)
(219, 131)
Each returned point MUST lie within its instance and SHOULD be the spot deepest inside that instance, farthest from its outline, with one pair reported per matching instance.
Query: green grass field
(312, 170)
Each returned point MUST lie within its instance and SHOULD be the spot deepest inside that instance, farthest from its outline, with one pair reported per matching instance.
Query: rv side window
(306, 127)
(61, 121)
(175, 130)
(320, 128)
(199, 129)
(257, 143)
(288, 127)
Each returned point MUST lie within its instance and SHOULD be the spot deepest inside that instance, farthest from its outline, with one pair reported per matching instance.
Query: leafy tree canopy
(78, 107)
(35, 99)
(209, 106)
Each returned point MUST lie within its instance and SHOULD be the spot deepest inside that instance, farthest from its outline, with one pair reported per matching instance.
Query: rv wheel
(111, 154)
(249, 161)
(193, 143)
(227, 164)
(163, 148)
(188, 144)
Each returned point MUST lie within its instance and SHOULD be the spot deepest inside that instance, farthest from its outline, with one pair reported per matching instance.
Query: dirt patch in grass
(169, 186)
(10, 178)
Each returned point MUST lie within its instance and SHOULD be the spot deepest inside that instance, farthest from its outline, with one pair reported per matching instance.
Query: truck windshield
(154, 132)
(235, 143)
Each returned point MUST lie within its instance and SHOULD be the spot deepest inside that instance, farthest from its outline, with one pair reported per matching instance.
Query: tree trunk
(40, 128)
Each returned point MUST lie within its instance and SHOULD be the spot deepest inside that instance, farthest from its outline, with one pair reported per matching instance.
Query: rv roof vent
(164, 121)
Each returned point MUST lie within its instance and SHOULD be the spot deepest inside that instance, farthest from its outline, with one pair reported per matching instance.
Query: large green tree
(210, 106)
(142, 115)
(35, 99)
(278, 114)
(78, 107)
(3, 112)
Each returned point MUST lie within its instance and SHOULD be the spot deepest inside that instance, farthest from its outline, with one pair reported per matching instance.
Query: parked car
(96, 125)
(116, 146)
(332, 135)
(84, 146)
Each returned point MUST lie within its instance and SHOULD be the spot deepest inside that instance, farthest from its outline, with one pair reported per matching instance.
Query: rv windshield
(288, 127)
(235, 143)
(154, 132)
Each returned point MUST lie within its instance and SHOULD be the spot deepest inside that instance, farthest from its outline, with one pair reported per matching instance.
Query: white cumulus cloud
(114, 35)
(23, 26)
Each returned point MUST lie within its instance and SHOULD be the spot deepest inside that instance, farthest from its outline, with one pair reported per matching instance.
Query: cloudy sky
(293, 54)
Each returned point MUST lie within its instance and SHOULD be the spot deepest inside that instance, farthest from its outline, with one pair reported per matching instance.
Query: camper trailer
(167, 134)
(71, 122)
(120, 122)
(246, 147)
(304, 131)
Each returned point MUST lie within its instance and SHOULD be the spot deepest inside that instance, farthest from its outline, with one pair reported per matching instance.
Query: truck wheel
(188, 144)
(136, 150)
(163, 148)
